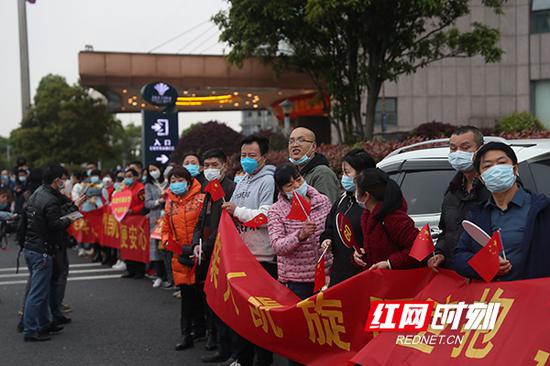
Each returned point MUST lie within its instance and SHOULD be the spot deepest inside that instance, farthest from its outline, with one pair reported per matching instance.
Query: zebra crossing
(77, 272)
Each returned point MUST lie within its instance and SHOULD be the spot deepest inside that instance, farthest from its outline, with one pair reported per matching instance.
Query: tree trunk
(373, 89)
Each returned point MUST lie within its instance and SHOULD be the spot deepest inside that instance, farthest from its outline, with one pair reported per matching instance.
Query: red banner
(131, 236)
(328, 328)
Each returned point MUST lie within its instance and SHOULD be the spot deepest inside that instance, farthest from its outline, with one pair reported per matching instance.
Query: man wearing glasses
(314, 167)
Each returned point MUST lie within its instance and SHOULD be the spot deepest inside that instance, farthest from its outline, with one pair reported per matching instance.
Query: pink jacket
(296, 259)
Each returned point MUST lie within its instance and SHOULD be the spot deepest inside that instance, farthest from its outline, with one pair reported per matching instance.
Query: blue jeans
(36, 317)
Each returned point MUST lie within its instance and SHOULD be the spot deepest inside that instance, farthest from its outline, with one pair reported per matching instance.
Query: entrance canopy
(203, 82)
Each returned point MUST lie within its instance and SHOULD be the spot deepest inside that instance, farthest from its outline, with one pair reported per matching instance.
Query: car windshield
(424, 190)
(541, 173)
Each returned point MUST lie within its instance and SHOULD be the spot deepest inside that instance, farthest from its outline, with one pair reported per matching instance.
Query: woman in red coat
(388, 232)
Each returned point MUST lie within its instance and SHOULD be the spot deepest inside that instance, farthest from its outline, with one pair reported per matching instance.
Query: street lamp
(286, 105)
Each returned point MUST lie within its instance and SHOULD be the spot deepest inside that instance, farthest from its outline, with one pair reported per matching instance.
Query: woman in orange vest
(181, 213)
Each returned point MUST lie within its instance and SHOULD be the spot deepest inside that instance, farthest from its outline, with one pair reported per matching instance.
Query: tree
(65, 124)
(204, 136)
(350, 46)
(126, 142)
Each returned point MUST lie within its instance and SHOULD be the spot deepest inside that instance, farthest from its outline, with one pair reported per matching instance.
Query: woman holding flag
(388, 232)
(295, 223)
(343, 226)
(181, 213)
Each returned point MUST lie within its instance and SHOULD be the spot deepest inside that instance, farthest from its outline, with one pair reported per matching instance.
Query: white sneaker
(120, 266)
(89, 252)
(157, 282)
(81, 252)
(116, 264)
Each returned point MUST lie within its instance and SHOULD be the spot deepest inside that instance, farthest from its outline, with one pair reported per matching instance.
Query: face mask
(155, 174)
(94, 179)
(89, 172)
(302, 191)
(499, 178)
(348, 183)
(212, 174)
(238, 179)
(178, 188)
(61, 185)
(304, 159)
(193, 169)
(107, 181)
(461, 160)
(116, 185)
(3, 206)
(5, 178)
(23, 179)
(128, 181)
(249, 165)
(361, 204)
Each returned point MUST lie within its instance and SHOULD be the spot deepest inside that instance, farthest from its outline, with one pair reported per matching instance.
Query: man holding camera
(44, 236)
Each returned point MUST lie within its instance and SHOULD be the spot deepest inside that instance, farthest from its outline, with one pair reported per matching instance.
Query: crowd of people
(486, 189)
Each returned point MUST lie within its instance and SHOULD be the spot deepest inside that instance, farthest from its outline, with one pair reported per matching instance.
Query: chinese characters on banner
(328, 328)
(130, 236)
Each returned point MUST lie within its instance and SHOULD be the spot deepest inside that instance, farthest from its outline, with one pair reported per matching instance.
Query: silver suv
(423, 173)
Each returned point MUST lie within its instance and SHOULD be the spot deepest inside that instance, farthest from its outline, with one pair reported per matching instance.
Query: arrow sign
(163, 159)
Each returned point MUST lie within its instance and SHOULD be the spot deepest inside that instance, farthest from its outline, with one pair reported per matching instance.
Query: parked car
(423, 173)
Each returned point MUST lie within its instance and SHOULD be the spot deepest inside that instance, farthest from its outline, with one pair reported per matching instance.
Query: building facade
(469, 91)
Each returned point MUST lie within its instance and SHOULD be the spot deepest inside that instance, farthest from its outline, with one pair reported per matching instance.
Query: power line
(179, 35)
(197, 38)
(209, 47)
(204, 42)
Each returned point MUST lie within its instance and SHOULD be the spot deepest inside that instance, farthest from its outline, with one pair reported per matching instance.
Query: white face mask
(155, 174)
(360, 203)
(211, 174)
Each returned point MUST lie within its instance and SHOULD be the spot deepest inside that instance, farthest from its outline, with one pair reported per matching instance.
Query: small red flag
(299, 208)
(174, 247)
(343, 225)
(423, 244)
(319, 275)
(486, 261)
(215, 189)
(257, 221)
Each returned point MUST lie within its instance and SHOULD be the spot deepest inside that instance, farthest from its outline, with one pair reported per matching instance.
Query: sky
(59, 29)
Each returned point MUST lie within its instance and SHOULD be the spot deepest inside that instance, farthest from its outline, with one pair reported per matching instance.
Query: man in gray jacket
(253, 196)
(312, 165)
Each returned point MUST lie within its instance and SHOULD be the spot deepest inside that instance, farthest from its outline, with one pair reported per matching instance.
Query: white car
(423, 173)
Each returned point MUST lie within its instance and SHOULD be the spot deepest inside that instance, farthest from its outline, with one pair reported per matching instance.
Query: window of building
(540, 16)
(541, 101)
(386, 110)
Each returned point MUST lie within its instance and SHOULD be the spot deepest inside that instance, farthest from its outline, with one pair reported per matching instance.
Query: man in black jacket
(207, 230)
(464, 192)
(45, 231)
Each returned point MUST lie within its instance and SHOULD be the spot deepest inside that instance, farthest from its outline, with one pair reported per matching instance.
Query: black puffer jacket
(45, 229)
(343, 265)
(455, 208)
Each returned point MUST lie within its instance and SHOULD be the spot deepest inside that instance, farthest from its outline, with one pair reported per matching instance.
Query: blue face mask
(238, 179)
(249, 165)
(178, 188)
(128, 181)
(303, 160)
(499, 178)
(193, 169)
(461, 160)
(348, 183)
(116, 185)
(302, 191)
(23, 178)
(94, 179)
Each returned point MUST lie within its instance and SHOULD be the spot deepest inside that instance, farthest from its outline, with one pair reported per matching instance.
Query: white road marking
(105, 277)
(71, 272)
(23, 266)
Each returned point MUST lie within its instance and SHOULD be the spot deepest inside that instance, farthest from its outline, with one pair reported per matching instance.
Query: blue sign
(159, 94)
(159, 136)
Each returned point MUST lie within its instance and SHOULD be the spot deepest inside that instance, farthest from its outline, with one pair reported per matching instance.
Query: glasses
(299, 141)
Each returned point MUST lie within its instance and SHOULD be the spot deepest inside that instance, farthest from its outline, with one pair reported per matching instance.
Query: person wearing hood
(521, 216)
(464, 192)
(181, 212)
(343, 265)
(253, 196)
(313, 166)
(193, 163)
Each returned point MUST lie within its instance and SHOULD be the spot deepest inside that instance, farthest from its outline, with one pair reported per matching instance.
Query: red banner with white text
(130, 236)
(328, 328)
